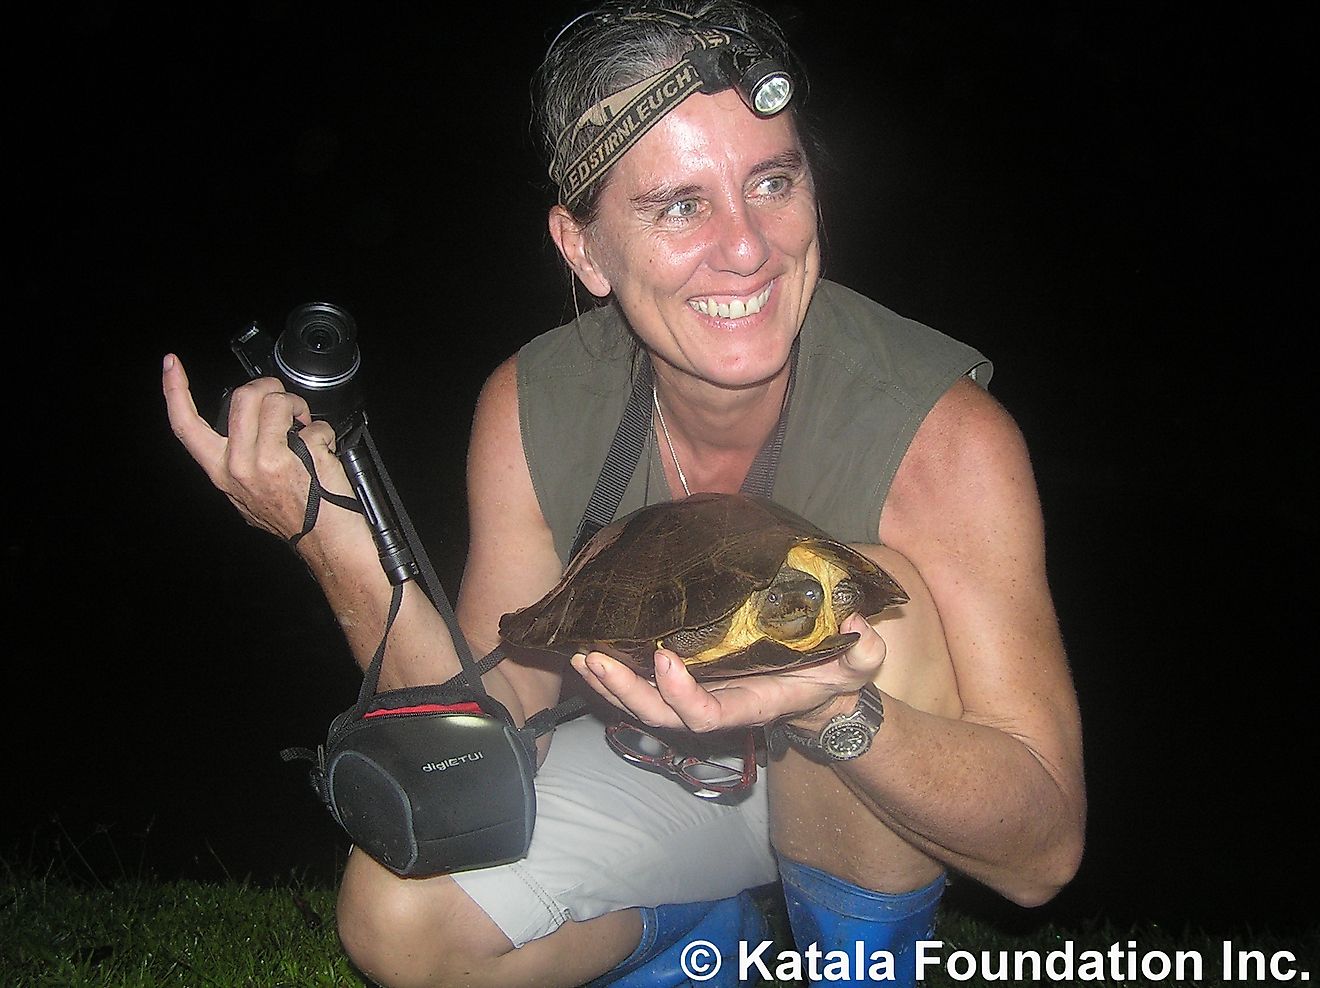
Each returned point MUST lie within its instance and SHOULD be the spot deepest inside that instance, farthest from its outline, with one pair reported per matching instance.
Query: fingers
(625, 689)
(198, 438)
(260, 410)
(866, 657)
(253, 464)
(260, 414)
(677, 700)
(699, 709)
(277, 413)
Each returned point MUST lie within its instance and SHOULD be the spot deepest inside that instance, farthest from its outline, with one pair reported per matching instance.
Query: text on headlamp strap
(623, 127)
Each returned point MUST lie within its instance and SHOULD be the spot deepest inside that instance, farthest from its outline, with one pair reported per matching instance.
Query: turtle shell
(688, 564)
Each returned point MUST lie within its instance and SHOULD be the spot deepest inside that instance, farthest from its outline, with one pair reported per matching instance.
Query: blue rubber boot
(837, 916)
(675, 941)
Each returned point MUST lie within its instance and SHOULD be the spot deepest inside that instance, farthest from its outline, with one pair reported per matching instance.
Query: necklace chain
(655, 400)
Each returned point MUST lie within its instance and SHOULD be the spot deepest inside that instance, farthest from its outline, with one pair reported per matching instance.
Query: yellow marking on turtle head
(743, 630)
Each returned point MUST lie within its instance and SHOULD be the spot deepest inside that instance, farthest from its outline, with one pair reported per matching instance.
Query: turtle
(734, 584)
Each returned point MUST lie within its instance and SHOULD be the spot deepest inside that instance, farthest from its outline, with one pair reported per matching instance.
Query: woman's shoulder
(858, 337)
(593, 347)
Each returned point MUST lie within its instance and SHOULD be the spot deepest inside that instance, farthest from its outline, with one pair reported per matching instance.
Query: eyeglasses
(708, 775)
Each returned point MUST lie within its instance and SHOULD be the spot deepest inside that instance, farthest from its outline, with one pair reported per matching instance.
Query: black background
(1113, 202)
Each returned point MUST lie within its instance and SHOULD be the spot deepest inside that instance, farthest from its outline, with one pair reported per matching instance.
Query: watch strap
(860, 726)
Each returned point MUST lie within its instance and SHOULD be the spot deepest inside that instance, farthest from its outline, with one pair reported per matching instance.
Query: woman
(697, 223)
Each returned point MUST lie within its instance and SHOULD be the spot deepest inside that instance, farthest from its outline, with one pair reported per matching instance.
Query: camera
(316, 358)
(425, 779)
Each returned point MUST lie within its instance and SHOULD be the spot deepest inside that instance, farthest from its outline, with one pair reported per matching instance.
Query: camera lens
(319, 336)
(318, 348)
(317, 357)
(321, 326)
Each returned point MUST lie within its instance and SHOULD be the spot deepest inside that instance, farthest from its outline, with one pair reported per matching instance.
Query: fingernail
(662, 662)
(169, 362)
(596, 665)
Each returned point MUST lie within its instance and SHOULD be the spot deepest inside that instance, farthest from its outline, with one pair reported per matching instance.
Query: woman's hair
(610, 47)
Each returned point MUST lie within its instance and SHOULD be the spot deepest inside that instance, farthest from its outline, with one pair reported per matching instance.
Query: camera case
(429, 780)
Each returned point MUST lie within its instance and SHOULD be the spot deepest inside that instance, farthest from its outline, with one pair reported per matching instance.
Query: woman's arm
(511, 554)
(997, 792)
(254, 467)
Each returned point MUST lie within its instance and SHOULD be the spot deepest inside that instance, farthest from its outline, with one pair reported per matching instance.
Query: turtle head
(846, 599)
(789, 607)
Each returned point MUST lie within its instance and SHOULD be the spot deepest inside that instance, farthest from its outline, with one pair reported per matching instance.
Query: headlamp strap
(623, 119)
(716, 61)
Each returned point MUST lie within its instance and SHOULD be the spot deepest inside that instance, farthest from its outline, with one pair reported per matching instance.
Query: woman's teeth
(732, 310)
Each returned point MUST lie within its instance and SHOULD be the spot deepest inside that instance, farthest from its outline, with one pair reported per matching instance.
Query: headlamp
(721, 58)
(762, 81)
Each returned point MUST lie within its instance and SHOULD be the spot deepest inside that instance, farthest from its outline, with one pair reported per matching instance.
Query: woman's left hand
(677, 700)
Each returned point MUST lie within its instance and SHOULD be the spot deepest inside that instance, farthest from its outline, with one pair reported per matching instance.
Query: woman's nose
(741, 246)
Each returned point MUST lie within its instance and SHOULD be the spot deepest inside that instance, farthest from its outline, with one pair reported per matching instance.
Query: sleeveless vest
(866, 378)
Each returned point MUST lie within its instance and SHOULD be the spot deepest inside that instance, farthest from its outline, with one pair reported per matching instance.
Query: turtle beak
(889, 594)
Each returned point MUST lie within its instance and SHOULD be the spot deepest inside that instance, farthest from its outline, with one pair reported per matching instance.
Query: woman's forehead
(706, 138)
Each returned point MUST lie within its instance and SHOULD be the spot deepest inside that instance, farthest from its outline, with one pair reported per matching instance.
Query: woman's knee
(412, 933)
(919, 667)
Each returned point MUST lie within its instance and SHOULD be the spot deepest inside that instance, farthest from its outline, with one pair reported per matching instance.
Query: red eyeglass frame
(670, 761)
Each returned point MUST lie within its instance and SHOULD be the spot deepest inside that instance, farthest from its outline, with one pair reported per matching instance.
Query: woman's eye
(683, 209)
(775, 185)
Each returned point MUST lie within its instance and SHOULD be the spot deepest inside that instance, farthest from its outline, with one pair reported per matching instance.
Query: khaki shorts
(610, 835)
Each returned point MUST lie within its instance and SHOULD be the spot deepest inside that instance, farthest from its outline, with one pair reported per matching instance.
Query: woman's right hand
(253, 465)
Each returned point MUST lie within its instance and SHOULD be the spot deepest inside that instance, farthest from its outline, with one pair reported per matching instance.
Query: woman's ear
(571, 239)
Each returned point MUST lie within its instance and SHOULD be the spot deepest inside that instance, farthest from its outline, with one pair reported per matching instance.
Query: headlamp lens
(772, 94)
(761, 80)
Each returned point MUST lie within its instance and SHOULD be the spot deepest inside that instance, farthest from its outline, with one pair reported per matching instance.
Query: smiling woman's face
(706, 235)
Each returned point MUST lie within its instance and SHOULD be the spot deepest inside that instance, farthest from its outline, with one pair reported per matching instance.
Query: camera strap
(630, 439)
(316, 493)
(427, 779)
(430, 584)
(621, 460)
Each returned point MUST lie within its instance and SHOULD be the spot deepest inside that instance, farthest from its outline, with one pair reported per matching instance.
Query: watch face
(843, 741)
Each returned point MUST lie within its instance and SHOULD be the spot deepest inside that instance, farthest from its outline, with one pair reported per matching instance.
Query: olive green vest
(866, 378)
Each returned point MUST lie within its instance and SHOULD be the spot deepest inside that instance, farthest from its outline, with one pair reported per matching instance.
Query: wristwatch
(846, 736)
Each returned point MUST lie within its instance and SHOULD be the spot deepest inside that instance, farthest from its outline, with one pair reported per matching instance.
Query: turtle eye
(772, 596)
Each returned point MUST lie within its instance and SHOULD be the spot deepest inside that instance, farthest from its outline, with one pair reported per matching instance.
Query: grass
(147, 934)
(55, 933)
(66, 927)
